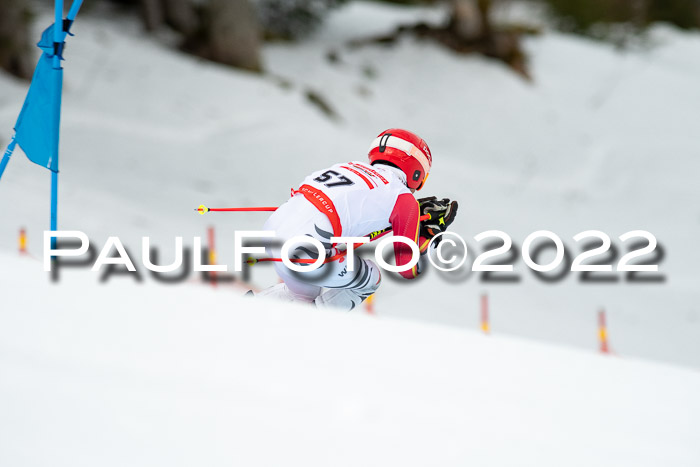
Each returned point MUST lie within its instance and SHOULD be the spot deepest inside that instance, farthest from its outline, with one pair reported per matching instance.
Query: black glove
(442, 213)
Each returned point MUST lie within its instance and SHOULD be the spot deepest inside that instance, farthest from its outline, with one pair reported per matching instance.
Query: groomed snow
(177, 376)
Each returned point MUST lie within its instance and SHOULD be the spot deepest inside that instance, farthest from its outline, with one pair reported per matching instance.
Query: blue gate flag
(38, 124)
(37, 127)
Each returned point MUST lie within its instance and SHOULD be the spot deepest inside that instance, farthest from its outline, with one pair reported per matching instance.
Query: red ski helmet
(405, 150)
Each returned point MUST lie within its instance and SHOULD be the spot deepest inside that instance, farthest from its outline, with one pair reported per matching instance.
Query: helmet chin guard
(405, 150)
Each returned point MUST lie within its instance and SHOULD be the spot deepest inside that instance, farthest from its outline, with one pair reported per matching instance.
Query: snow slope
(142, 376)
(601, 139)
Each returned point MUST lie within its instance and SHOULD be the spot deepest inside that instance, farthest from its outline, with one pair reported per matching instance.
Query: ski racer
(356, 199)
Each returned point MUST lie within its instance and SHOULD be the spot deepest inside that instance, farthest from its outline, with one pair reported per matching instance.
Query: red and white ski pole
(202, 209)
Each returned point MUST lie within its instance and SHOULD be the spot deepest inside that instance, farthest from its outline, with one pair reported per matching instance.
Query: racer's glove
(441, 214)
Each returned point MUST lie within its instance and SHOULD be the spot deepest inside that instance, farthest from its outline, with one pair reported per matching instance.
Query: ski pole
(251, 261)
(202, 209)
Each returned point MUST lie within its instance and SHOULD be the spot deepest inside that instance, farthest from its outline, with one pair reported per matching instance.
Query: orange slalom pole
(603, 332)
(22, 241)
(212, 254)
(485, 313)
(369, 304)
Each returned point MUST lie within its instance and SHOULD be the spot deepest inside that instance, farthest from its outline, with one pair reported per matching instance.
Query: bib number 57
(332, 175)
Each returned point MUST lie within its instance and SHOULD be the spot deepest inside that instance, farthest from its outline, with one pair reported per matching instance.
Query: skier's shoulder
(386, 174)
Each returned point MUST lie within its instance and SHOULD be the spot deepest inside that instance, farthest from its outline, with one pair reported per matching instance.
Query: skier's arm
(405, 221)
